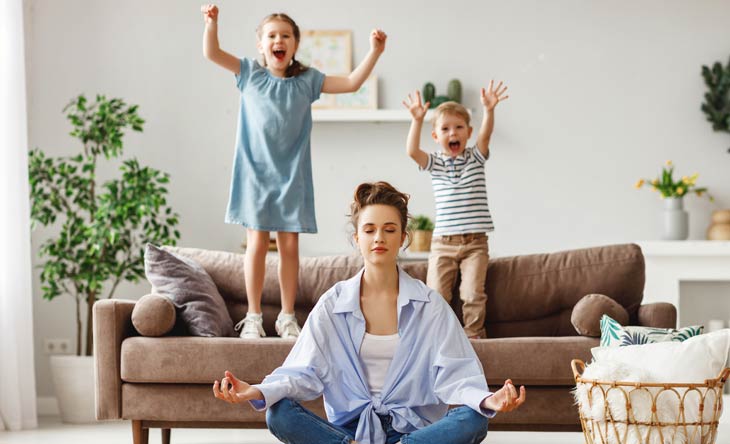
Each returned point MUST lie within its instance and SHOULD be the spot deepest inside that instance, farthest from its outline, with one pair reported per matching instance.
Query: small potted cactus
(453, 94)
(421, 228)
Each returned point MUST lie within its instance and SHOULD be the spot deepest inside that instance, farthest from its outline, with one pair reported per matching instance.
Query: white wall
(602, 93)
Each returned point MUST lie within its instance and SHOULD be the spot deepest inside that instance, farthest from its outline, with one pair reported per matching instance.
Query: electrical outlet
(57, 346)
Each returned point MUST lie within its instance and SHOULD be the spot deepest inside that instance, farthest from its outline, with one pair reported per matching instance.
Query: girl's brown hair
(379, 193)
(296, 67)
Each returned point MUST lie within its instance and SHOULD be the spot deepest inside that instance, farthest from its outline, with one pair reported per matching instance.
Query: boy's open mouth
(454, 145)
(279, 54)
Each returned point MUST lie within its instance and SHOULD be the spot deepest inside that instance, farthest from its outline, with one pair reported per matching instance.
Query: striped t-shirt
(460, 191)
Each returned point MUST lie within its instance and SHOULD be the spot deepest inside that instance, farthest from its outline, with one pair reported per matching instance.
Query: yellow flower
(639, 184)
(654, 188)
(680, 191)
(655, 182)
(669, 163)
(685, 180)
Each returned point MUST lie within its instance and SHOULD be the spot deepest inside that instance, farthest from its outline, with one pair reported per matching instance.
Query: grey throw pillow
(198, 303)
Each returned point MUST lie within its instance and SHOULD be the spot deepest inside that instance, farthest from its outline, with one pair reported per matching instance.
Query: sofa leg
(140, 435)
(165, 436)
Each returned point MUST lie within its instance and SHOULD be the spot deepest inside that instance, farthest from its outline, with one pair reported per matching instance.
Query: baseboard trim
(47, 406)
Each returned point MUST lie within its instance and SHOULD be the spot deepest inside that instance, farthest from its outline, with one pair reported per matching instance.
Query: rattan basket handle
(724, 374)
(579, 366)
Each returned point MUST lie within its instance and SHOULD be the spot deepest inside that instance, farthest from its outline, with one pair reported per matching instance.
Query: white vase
(676, 220)
(73, 382)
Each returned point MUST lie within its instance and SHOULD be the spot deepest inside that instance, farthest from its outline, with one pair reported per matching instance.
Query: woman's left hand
(377, 40)
(505, 399)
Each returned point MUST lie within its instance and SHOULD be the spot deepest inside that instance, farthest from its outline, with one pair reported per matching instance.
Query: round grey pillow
(587, 313)
(153, 315)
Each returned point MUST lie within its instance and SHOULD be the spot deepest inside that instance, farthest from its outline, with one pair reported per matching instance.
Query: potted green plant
(421, 228)
(717, 98)
(676, 219)
(103, 227)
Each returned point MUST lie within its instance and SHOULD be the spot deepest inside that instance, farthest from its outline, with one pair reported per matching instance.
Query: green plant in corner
(103, 227)
(717, 98)
(420, 222)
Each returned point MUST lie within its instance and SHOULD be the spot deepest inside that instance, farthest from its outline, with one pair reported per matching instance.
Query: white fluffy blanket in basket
(608, 425)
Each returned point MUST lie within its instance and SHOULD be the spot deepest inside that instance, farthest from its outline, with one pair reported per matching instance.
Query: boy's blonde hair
(451, 108)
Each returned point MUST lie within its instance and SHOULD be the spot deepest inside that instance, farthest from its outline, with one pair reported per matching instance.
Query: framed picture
(364, 98)
(328, 51)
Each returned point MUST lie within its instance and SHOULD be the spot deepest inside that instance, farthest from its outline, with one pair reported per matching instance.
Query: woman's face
(379, 234)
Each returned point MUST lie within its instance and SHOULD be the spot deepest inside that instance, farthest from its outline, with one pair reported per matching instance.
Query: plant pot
(676, 220)
(73, 382)
(421, 240)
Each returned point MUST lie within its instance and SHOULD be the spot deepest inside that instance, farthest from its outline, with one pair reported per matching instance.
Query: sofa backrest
(529, 295)
(534, 295)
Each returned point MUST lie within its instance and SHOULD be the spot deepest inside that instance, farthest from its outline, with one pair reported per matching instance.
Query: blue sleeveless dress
(271, 183)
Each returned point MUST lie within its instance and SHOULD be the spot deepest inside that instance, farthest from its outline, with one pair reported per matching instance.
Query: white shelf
(362, 115)
(366, 115)
(685, 248)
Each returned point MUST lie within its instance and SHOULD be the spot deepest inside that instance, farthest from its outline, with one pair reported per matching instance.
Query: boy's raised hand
(377, 40)
(492, 96)
(210, 13)
(417, 110)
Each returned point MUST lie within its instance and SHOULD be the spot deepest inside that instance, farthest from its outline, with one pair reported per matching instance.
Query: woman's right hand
(233, 390)
(417, 110)
(210, 13)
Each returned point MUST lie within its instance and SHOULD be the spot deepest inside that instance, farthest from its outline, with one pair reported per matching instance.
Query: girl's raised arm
(211, 49)
(353, 82)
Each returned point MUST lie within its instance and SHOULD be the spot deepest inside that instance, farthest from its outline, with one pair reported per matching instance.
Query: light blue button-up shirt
(434, 364)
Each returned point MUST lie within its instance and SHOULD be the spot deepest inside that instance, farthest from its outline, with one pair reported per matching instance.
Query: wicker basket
(649, 413)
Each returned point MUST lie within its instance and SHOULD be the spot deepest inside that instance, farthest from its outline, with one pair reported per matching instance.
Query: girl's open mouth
(279, 54)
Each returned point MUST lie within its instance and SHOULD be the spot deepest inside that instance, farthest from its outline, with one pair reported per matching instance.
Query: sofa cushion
(191, 290)
(613, 334)
(531, 361)
(586, 316)
(534, 295)
(153, 315)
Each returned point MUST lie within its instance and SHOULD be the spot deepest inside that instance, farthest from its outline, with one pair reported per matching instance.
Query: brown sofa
(165, 382)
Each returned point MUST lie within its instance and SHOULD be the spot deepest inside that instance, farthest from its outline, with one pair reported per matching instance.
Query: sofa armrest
(658, 314)
(112, 324)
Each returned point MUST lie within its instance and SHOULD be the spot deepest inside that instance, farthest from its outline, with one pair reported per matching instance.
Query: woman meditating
(387, 353)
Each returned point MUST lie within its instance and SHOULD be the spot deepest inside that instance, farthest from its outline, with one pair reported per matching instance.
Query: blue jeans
(293, 424)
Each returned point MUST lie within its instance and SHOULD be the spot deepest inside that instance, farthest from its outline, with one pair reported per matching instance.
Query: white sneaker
(286, 326)
(252, 326)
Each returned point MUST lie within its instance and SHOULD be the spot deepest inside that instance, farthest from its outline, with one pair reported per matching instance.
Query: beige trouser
(470, 253)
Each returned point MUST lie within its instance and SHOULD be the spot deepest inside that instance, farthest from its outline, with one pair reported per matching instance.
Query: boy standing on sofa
(462, 210)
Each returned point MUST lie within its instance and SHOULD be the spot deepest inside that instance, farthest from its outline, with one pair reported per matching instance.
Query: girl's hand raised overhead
(417, 110)
(491, 97)
(210, 13)
(377, 40)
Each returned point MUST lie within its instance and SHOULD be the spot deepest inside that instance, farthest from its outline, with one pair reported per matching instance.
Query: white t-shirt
(376, 352)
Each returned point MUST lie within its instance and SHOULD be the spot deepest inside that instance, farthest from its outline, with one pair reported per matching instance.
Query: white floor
(51, 430)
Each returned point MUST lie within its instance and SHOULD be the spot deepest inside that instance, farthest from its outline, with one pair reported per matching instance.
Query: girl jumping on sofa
(271, 186)
(387, 353)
